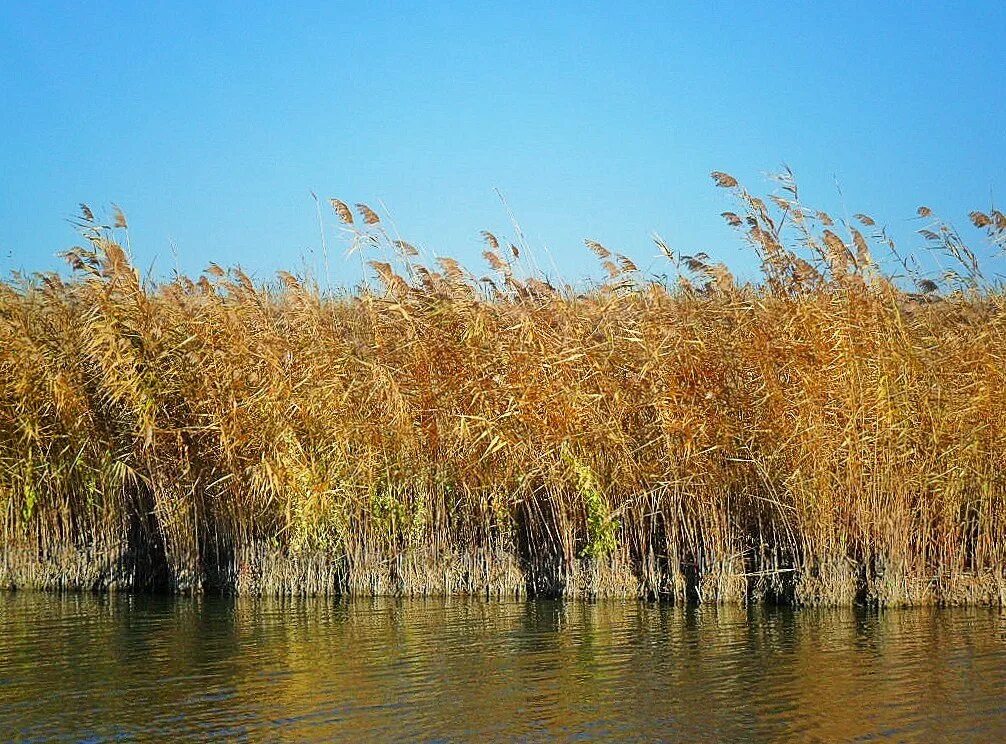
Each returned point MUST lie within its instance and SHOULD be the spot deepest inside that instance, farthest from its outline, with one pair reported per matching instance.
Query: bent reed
(822, 437)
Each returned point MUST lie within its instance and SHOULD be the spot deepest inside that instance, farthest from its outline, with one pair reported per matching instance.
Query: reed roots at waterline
(826, 435)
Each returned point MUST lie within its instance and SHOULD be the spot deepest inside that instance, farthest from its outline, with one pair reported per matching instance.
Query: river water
(96, 668)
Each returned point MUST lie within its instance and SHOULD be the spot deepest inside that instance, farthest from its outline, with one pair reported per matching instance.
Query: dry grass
(822, 437)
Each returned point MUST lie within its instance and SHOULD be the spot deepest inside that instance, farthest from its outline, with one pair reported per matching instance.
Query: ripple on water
(80, 667)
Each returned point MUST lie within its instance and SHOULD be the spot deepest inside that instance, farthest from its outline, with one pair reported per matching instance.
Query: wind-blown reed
(824, 436)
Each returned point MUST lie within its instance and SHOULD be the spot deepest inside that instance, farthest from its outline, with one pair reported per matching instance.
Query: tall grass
(827, 435)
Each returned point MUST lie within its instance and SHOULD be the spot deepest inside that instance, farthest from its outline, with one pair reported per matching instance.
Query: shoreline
(501, 576)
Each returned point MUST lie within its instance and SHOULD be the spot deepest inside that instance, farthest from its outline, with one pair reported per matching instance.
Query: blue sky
(211, 123)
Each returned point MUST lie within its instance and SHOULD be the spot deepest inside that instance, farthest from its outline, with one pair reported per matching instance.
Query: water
(96, 668)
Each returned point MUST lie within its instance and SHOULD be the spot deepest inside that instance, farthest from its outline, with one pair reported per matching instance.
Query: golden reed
(827, 435)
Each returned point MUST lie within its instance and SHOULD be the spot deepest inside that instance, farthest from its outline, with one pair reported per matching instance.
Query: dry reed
(824, 436)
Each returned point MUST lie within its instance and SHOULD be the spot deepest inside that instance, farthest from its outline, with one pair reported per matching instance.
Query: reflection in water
(82, 666)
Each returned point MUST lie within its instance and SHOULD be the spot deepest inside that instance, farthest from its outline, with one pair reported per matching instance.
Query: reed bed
(831, 434)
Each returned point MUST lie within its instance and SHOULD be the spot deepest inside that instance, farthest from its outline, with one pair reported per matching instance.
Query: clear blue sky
(210, 124)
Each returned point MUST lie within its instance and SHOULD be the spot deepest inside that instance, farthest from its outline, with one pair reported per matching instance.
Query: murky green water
(142, 668)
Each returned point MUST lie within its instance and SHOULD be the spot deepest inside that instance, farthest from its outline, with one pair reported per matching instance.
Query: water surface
(139, 668)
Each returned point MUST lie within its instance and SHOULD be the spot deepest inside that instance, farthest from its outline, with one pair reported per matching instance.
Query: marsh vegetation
(833, 433)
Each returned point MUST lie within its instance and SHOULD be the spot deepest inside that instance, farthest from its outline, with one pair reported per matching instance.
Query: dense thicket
(823, 436)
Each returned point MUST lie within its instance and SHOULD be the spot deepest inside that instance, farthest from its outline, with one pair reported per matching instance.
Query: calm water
(97, 668)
